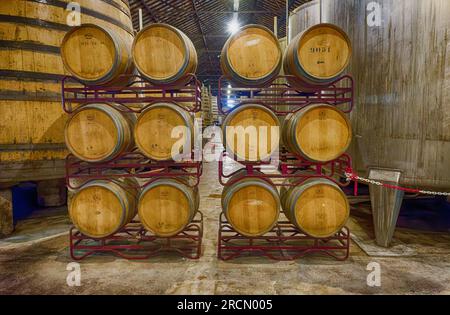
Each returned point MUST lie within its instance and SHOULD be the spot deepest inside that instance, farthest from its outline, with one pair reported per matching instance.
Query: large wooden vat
(317, 55)
(101, 208)
(99, 132)
(32, 121)
(251, 206)
(251, 132)
(168, 205)
(96, 55)
(318, 207)
(163, 54)
(252, 56)
(163, 131)
(319, 133)
(401, 68)
(402, 75)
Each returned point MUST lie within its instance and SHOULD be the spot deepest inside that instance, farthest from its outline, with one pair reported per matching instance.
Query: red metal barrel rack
(285, 241)
(133, 241)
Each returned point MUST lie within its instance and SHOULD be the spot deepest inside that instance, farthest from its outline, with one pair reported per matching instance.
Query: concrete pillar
(6, 213)
(52, 193)
(386, 204)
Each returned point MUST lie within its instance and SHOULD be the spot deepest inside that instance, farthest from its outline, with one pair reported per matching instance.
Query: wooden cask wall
(32, 121)
(97, 56)
(402, 76)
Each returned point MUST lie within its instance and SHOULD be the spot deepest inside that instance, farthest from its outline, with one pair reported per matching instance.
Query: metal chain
(435, 193)
(351, 176)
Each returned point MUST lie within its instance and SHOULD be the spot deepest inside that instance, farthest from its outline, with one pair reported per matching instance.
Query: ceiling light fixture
(233, 26)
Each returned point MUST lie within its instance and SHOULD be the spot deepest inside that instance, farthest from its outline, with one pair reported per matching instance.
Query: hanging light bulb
(233, 26)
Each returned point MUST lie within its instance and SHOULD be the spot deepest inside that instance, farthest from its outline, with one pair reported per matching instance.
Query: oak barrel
(251, 132)
(31, 69)
(163, 128)
(101, 208)
(163, 54)
(318, 55)
(99, 132)
(318, 207)
(168, 205)
(251, 205)
(252, 56)
(96, 55)
(319, 133)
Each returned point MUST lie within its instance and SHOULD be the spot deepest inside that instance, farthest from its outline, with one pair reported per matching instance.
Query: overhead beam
(168, 4)
(148, 10)
(201, 31)
(186, 12)
(253, 18)
(210, 35)
(290, 4)
(209, 51)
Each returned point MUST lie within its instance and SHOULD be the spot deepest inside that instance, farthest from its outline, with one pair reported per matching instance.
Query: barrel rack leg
(386, 204)
(6, 212)
(133, 242)
(283, 243)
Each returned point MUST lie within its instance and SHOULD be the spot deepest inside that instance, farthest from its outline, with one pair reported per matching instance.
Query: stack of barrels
(100, 132)
(318, 133)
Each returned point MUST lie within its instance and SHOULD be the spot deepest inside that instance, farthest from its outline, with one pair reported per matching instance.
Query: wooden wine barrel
(318, 55)
(154, 128)
(96, 55)
(31, 69)
(251, 132)
(319, 133)
(101, 208)
(251, 206)
(99, 132)
(167, 206)
(163, 54)
(252, 56)
(318, 207)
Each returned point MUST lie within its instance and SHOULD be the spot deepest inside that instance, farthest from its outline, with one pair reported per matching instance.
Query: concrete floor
(41, 268)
